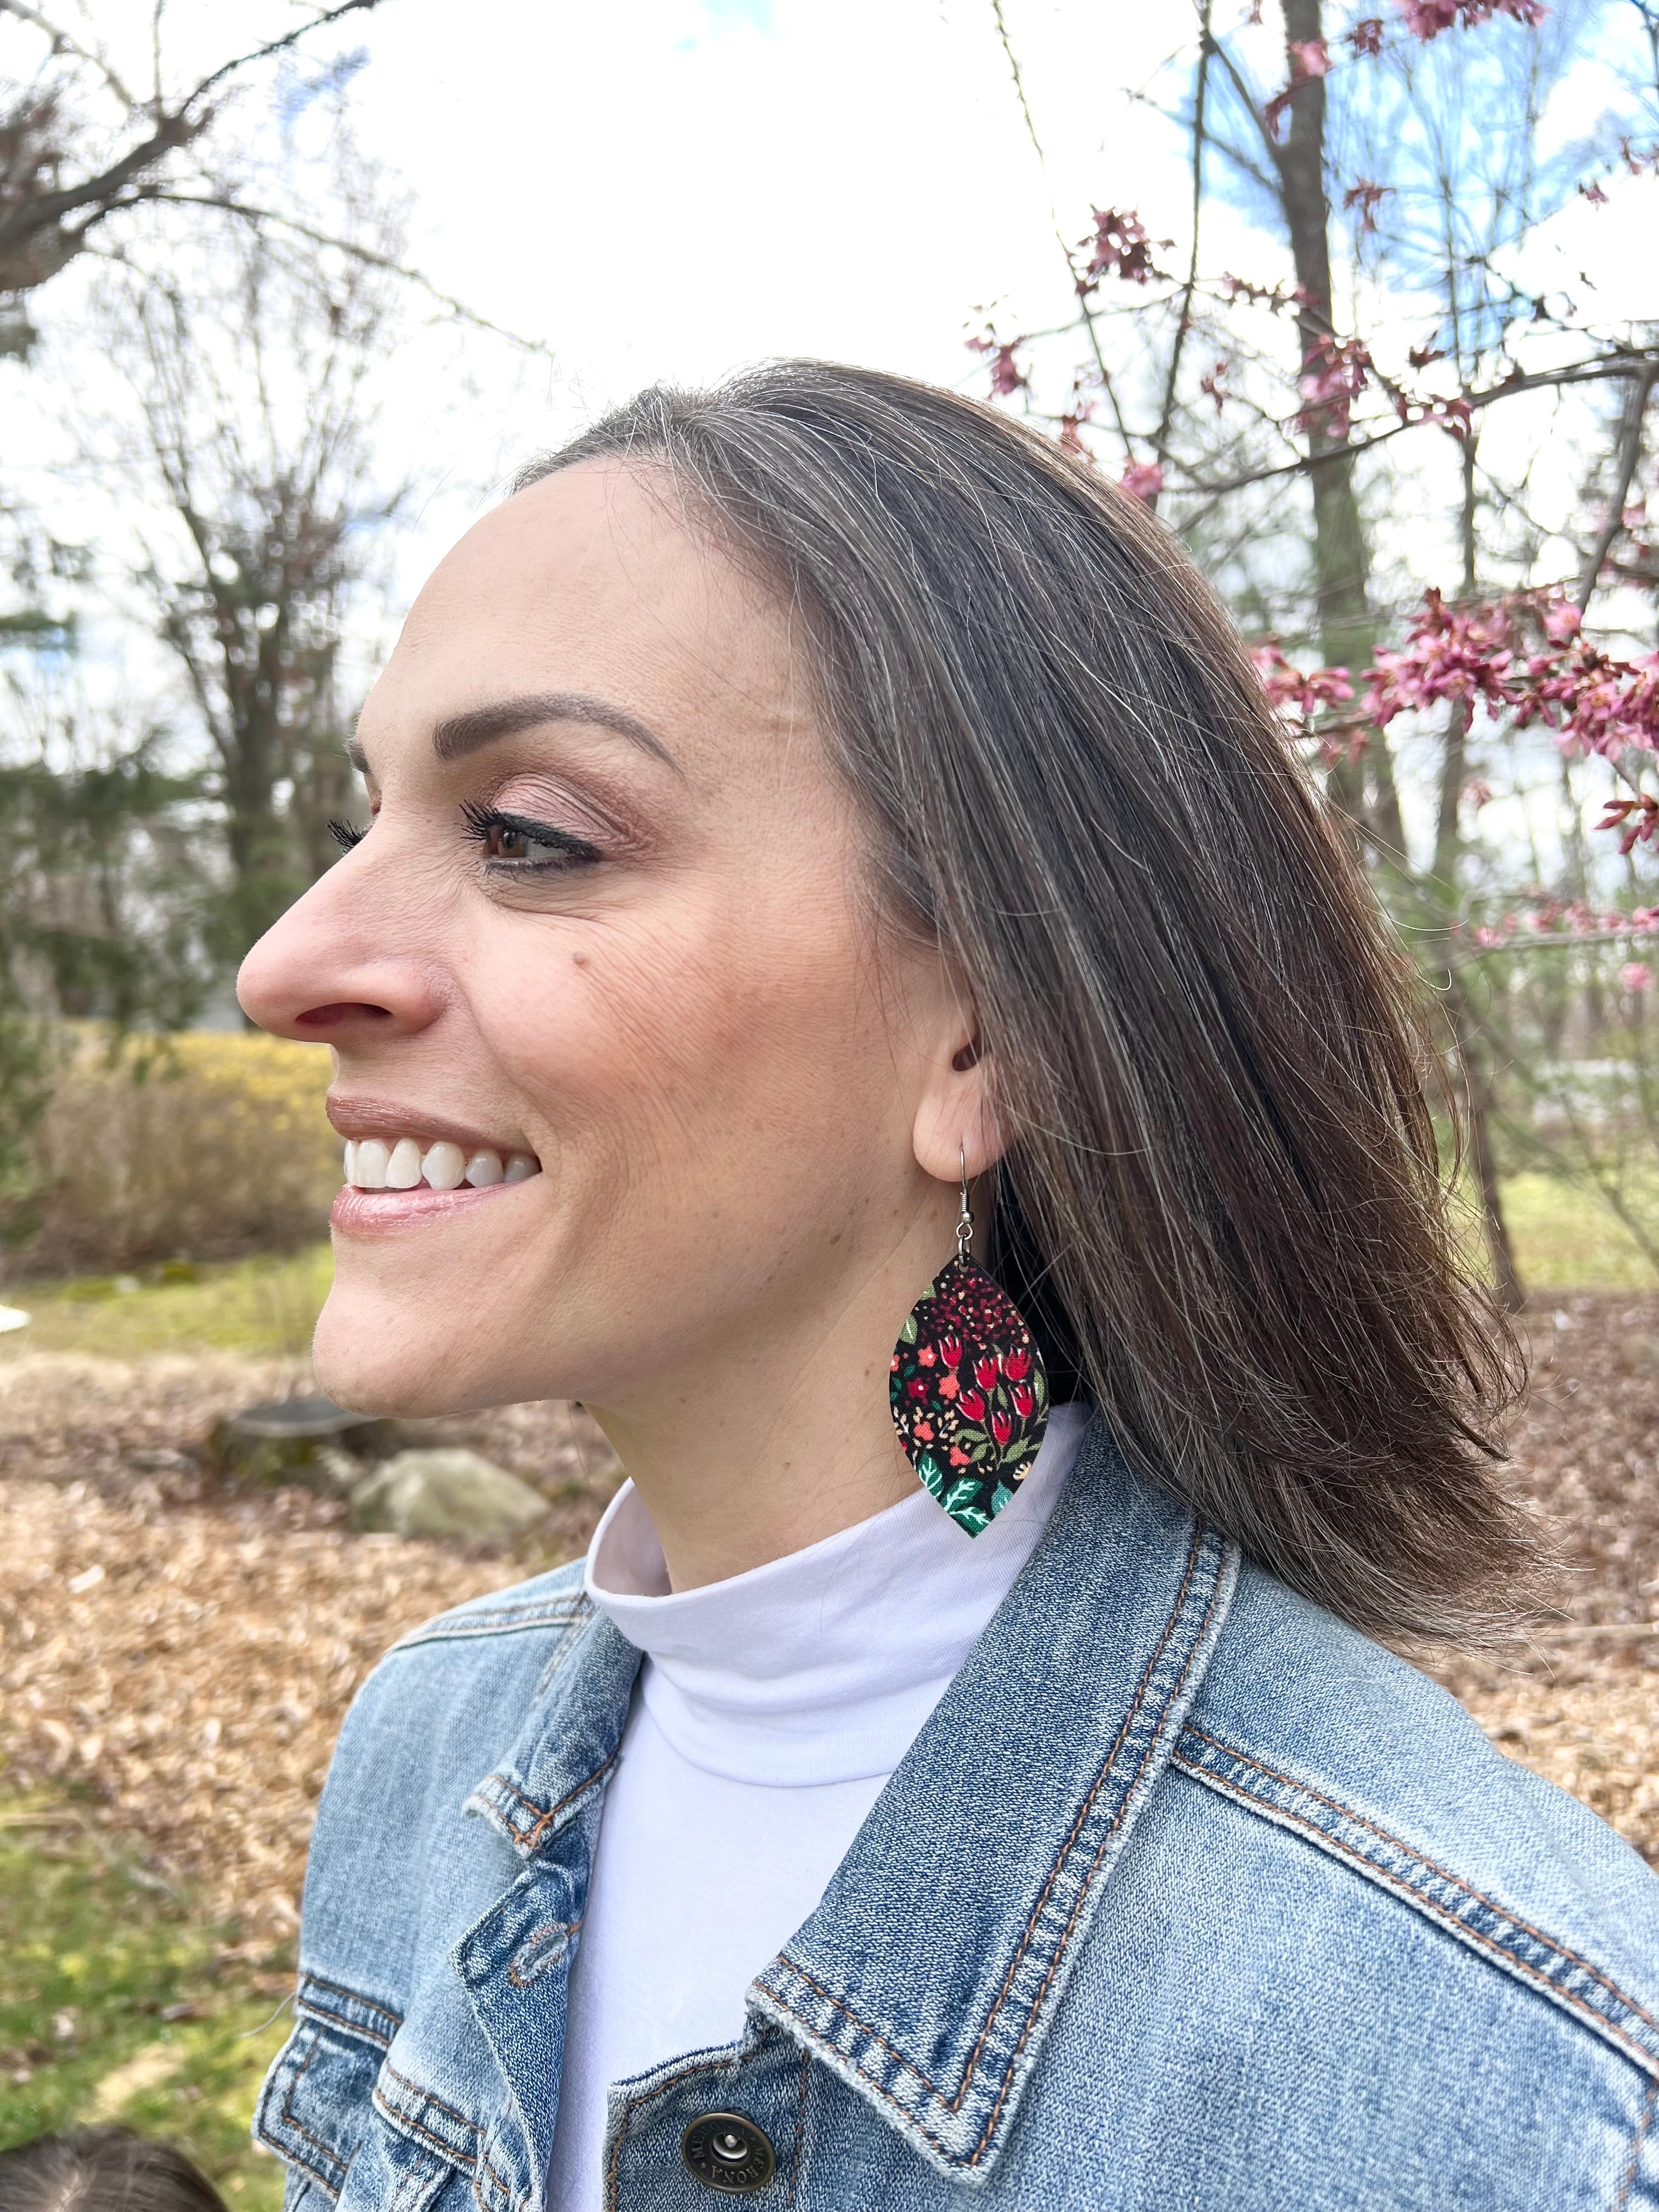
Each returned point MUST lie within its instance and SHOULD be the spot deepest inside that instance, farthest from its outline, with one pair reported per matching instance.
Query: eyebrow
(457, 735)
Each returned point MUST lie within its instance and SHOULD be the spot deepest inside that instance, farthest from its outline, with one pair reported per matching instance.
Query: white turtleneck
(769, 1712)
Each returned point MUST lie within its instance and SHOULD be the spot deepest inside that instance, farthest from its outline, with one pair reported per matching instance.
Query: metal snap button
(728, 2154)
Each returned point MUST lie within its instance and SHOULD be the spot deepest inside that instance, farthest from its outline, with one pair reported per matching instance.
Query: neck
(755, 1448)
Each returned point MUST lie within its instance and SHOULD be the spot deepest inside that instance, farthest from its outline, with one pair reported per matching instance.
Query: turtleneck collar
(820, 1667)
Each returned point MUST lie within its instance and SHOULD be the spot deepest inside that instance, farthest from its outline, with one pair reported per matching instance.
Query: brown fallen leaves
(188, 1653)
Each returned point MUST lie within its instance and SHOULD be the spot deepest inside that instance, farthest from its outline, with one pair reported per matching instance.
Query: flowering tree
(1379, 391)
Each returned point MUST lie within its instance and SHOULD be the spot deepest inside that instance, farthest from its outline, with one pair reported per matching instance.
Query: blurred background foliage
(1377, 351)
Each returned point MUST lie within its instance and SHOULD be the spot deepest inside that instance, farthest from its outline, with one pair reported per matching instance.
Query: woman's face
(609, 925)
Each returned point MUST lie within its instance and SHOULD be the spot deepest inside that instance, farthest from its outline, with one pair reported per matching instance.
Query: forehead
(593, 580)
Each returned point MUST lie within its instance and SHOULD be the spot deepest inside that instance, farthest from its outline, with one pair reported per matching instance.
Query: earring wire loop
(965, 1218)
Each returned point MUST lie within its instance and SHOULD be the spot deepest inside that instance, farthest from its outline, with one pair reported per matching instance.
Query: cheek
(703, 1040)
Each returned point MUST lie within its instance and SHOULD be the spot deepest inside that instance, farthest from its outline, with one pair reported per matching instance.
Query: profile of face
(611, 928)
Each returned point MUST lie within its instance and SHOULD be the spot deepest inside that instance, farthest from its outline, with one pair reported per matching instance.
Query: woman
(811, 818)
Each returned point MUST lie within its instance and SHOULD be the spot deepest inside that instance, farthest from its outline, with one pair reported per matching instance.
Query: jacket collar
(929, 1974)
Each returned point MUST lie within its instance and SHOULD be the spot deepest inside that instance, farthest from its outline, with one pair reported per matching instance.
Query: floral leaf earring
(969, 1398)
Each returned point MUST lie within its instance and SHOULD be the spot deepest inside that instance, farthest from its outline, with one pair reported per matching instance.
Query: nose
(321, 974)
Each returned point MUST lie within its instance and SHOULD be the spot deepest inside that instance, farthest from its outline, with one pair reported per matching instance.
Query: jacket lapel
(929, 1974)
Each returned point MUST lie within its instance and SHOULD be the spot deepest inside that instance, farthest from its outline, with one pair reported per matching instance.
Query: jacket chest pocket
(317, 2112)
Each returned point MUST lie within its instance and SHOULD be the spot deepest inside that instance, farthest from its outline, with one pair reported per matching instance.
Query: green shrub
(199, 1146)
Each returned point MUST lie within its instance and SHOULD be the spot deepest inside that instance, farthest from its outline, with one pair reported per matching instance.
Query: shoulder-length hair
(1220, 1205)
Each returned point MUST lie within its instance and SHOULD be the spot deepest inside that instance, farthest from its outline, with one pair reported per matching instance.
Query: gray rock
(444, 1493)
(309, 1441)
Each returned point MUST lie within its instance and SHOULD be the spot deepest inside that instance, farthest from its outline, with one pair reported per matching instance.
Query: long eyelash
(481, 820)
(345, 835)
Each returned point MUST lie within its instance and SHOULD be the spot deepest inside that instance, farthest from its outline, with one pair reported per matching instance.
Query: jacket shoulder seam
(556, 1609)
(1493, 1930)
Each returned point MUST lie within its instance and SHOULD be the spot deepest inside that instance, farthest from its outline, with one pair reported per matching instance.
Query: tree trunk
(1365, 789)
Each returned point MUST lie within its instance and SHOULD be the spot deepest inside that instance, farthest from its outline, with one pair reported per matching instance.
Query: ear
(956, 1124)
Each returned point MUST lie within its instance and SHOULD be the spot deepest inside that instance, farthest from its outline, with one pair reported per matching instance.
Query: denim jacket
(1186, 1898)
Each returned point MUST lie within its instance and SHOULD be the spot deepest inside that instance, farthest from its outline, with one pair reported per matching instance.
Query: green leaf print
(973, 1518)
(927, 1469)
(959, 1495)
(1000, 1497)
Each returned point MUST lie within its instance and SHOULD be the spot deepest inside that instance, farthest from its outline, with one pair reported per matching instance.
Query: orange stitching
(533, 1835)
(522, 1616)
(880, 2088)
(954, 2104)
(1468, 1889)
(1088, 1805)
(1627, 2180)
(1088, 1880)
(1400, 1884)
(477, 2159)
(565, 1927)
(645, 2098)
(294, 2121)
(351, 2027)
(321, 1982)
(437, 2103)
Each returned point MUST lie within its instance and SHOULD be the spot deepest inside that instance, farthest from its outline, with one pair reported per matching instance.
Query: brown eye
(514, 841)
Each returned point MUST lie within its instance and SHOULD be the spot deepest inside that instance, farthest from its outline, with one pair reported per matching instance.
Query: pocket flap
(316, 2102)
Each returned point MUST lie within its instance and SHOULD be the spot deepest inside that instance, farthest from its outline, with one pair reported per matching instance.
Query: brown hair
(1220, 1205)
(103, 2170)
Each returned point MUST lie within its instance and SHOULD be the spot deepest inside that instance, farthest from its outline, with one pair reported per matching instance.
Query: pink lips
(382, 1213)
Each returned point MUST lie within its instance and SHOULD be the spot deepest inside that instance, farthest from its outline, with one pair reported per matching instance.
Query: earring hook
(965, 1218)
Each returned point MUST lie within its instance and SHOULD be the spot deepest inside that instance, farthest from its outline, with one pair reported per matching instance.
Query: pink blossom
(1007, 377)
(1366, 197)
(1299, 694)
(1635, 975)
(1142, 479)
(1119, 248)
(1366, 36)
(1334, 374)
(1427, 19)
(1309, 58)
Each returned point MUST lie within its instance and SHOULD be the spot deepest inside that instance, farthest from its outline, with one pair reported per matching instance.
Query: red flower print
(967, 1390)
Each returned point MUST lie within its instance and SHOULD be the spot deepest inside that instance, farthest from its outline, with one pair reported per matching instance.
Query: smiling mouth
(395, 1164)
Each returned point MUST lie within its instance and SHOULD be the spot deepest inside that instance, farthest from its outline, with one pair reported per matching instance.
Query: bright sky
(674, 187)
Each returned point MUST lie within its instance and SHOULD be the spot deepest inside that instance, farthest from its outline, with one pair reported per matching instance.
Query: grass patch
(264, 1308)
(115, 2006)
(1567, 1239)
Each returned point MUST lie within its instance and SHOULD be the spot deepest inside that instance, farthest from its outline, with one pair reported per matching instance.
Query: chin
(380, 1364)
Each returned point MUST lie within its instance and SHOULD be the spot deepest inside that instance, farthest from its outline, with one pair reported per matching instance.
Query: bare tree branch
(1627, 454)
(1084, 317)
(70, 44)
(367, 255)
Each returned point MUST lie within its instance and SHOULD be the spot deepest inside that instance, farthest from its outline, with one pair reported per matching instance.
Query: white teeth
(445, 1167)
(368, 1171)
(371, 1164)
(403, 1169)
